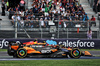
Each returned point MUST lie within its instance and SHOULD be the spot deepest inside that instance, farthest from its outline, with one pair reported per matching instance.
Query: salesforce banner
(81, 43)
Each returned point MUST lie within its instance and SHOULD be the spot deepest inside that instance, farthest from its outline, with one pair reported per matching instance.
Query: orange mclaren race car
(35, 49)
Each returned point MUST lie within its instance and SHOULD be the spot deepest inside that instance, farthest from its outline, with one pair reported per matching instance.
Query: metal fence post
(88, 22)
(98, 34)
(0, 24)
(16, 29)
(58, 28)
(27, 4)
(99, 29)
(40, 29)
(67, 33)
(41, 33)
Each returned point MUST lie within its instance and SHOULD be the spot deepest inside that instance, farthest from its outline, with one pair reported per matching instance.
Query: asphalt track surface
(5, 57)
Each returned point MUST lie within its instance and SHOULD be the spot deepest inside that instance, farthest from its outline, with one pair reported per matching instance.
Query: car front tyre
(75, 53)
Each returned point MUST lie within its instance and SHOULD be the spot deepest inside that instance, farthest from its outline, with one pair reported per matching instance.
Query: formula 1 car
(35, 49)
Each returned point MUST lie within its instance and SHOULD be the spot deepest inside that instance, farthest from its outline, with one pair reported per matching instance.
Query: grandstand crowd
(44, 12)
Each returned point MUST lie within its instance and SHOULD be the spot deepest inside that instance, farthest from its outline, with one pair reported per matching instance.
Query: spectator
(50, 22)
(30, 11)
(29, 16)
(27, 23)
(41, 13)
(77, 3)
(76, 18)
(65, 25)
(26, 12)
(43, 6)
(18, 20)
(42, 24)
(32, 16)
(34, 9)
(17, 8)
(22, 5)
(52, 9)
(61, 24)
(22, 14)
(11, 12)
(68, 3)
(22, 23)
(93, 21)
(85, 18)
(32, 23)
(80, 18)
(7, 5)
(96, 5)
(89, 34)
(3, 8)
(62, 9)
(36, 23)
(58, 6)
(83, 24)
(46, 10)
(46, 22)
(13, 19)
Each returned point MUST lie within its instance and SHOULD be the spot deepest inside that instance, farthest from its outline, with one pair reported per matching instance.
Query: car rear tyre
(9, 51)
(21, 53)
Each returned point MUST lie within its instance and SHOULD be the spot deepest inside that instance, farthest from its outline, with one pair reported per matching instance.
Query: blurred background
(78, 19)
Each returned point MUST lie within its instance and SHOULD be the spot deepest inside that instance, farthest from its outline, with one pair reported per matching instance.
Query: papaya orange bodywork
(87, 53)
(31, 50)
(41, 43)
(69, 49)
(15, 47)
(64, 54)
(53, 50)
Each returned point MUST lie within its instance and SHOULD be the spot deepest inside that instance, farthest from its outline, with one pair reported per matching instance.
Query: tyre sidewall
(20, 55)
(73, 56)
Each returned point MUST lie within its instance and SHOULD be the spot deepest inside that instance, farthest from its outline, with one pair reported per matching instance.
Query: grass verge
(78, 62)
(3, 50)
(90, 49)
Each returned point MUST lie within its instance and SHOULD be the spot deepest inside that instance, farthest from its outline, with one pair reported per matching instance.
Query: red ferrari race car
(35, 49)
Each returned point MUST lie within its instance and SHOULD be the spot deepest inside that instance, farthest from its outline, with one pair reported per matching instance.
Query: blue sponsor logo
(51, 42)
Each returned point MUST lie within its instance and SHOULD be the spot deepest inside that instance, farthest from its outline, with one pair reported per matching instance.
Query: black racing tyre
(70, 56)
(53, 56)
(15, 55)
(75, 53)
(9, 51)
(21, 53)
